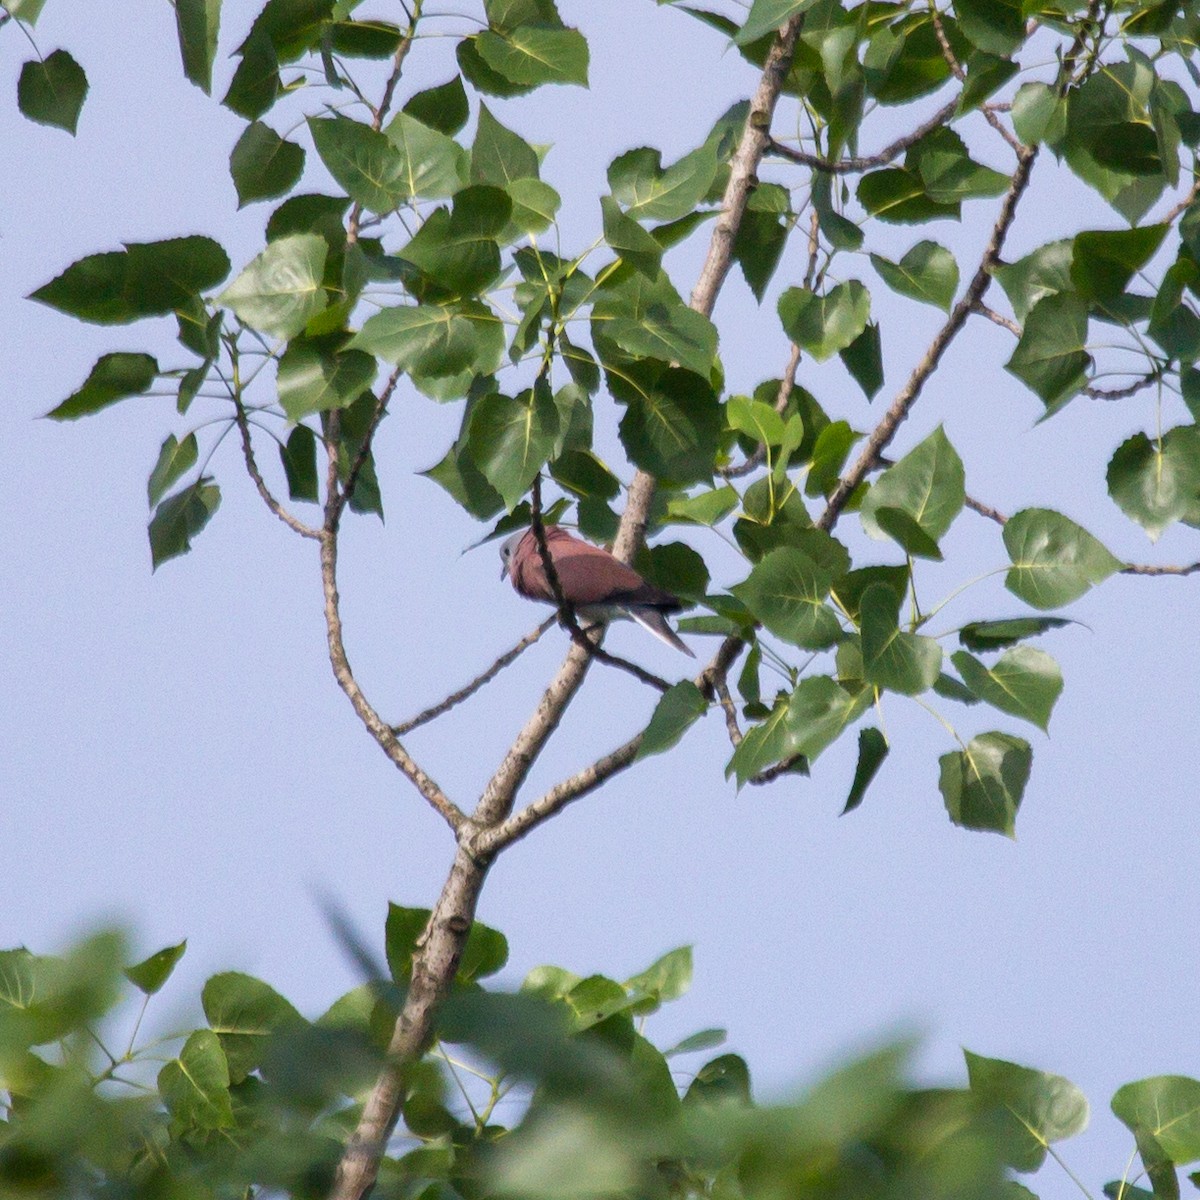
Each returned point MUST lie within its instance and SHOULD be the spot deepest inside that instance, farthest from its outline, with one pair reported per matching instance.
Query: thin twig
(999, 318)
(721, 687)
(1183, 205)
(852, 166)
(784, 767)
(986, 510)
(291, 521)
(1138, 385)
(1151, 569)
(465, 693)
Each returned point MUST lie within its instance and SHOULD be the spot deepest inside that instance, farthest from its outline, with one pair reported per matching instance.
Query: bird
(596, 585)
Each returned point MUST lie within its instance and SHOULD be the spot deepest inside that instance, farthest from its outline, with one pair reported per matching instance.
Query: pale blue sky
(174, 752)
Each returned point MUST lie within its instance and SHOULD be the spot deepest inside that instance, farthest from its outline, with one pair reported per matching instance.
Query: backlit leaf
(983, 785)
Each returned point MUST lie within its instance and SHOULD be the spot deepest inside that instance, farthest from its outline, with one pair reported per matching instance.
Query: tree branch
(900, 406)
(852, 166)
(291, 521)
(465, 693)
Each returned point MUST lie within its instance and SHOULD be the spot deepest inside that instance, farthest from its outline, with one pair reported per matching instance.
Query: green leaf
(898, 196)
(195, 1086)
(1043, 272)
(52, 91)
(255, 85)
(1050, 357)
(532, 55)
(534, 206)
(1024, 682)
(432, 164)
(902, 662)
(444, 108)
(673, 716)
(243, 1012)
(647, 192)
(709, 507)
(175, 459)
(197, 22)
(481, 76)
(1158, 483)
(263, 164)
(1167, 1107)
(1038, 1108)
(280, 291)
(948, 172)
(512, 437)
(982, 785)
(828, 457)
(994, 635)
(758, 246)
(435, 341)
(151, 973)
(786, 591)
(1104, 261)
(756, 420)
(813, 717)
(27, 11)
(1054, 560)
(485, 953)
(670, 333)
(927, 483)
(146, 279)
(1039, 114)
(672, 429)
(314, 376)
(629, 240)
(863, 358)
(766, 16)
(299, 458)
(927, 273)
(997, 26)
(498, 155)
(180, 518)
(458, 250)
(825, 324)
(113, 378)
(907, 533)
(872, 750)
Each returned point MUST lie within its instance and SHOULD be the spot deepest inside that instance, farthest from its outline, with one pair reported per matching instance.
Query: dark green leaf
(906, 533)
(146, 279)
(872, 750)
(531, 55)
(672, 428)
(849, 589)
(1051, 358)
(1103, 262)
(52, 91)
(758, 247)
(175, 459)
(983, 784)
(1038, 1108)
(280, 291)
(443, 108)
(948, 172)
(997, 26)
(151, 973)
(927, 273)
(512, 437)
(828, 457)
(1044, 272)
(114, 377)
(314, 375)
(255, 85)
(825, 324)
(647, 192)
(180, 518)
(581, 472)
(291, 26)
(1024, 682)
(629, 240)
(669, 333)
(898, 196)
(1158, 483)
(263, 164)
(995, 635)
(863, 358)
(498, 155)
(485, 953)
(673, 716)
(458, 250)
(892, 658)
(299, 457)
(927, 484)
(197, 23)
(1054, 560)
(310, 213)
(472, 65)
(787, 592)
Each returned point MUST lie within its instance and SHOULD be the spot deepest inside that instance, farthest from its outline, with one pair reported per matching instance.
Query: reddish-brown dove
(596, 585)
